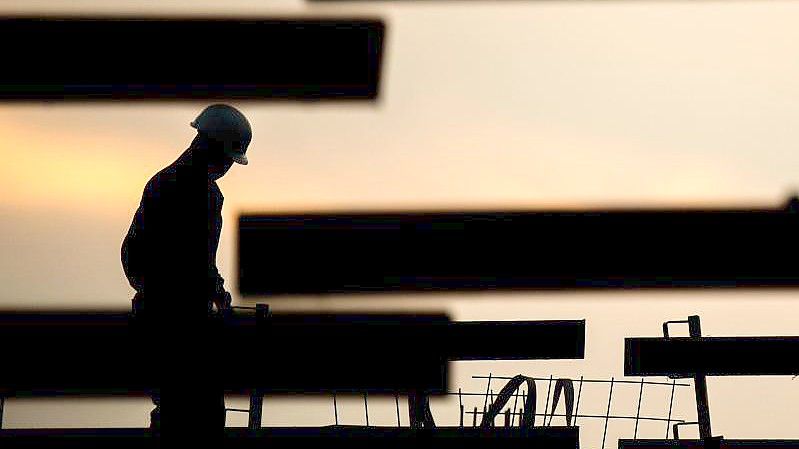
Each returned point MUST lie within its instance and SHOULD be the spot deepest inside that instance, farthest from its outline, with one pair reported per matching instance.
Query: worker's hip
(165, 304)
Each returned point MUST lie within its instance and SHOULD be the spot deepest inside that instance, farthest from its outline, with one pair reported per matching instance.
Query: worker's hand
(223, 302)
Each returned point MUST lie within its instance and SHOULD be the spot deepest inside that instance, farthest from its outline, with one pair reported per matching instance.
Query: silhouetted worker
(169, 257)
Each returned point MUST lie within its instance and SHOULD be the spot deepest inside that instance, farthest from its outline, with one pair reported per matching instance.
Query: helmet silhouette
(227, 125)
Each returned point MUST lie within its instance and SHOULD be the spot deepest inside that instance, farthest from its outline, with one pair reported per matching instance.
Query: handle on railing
(675, 428)
(666, 326)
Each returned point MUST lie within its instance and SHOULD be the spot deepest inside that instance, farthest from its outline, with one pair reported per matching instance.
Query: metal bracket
(675, 428)
(666, 326)
(700, 385)
(700, 381)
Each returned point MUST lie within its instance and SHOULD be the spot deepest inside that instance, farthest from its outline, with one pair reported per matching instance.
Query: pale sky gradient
(517, 104)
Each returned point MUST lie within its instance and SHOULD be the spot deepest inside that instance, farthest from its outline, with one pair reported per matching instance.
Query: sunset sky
(517, 104)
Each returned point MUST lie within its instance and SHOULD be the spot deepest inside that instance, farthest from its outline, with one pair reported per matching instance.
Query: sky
(506, 104)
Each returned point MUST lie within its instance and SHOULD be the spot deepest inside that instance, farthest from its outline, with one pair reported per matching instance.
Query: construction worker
(169, 258)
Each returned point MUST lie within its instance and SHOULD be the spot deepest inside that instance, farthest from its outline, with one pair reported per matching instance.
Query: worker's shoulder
(181, 181)
(162, 181)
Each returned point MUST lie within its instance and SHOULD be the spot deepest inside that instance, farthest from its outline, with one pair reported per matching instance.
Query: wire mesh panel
(604, 409)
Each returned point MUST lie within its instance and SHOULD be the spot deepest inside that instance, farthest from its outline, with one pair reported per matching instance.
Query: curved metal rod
(528, 418)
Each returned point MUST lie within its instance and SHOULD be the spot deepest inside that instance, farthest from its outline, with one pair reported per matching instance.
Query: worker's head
(224, 132)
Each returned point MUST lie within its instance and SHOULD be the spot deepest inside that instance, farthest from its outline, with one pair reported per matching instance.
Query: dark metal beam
(711, 356)
(46, 354)
(700, 444)
(515, 340)
(128, 58)
(334, 437)
(445, 251)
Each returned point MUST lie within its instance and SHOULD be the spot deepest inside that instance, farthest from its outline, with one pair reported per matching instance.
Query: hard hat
(228, 125)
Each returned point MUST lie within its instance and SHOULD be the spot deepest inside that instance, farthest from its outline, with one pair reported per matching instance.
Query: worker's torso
(173, 239)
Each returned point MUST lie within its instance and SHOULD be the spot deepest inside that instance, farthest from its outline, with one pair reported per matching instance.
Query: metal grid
(513, 415)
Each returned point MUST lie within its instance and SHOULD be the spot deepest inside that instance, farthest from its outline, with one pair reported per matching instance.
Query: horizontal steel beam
(700, 444)
(514, 340)
(334, 437)
(52, 354)
(445, 251)
(712, 356)
(128, 58)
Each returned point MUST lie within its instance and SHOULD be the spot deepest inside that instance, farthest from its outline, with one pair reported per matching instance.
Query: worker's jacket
(169, 253)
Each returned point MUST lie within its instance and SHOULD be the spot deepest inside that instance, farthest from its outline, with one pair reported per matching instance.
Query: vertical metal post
(577, 408)
(256, 396)
(488, 388)
(523, 422)
(396, 400)
(638, 413)
(417, 406)
(256, 409)
(335, 408)
(700, 385)
(671, 406)
(549, 390)
(493, 421)
(607, 414)
(460, 403)
(366, 408)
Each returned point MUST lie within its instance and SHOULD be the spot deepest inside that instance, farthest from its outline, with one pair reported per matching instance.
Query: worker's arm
(218, 295)
(133, 248)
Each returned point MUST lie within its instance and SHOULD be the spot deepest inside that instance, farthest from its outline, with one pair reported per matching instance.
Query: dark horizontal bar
(699, 444)
(714, 356)
(634, 418)
(333, 437)
(515, 340)
(445, 251)
(102, 58)
(52, 354)
(601, 381)
(108, 354)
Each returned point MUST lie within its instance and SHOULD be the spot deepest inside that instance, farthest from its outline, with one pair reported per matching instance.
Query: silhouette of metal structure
(414, 351)
(701, 444)
(458, 341)
(697, 357)
(439, 340)
(100, 353)
(572, 409)
(418, 347)
(259, 58)
(335, 437)
(428, 342)
(325, 253)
